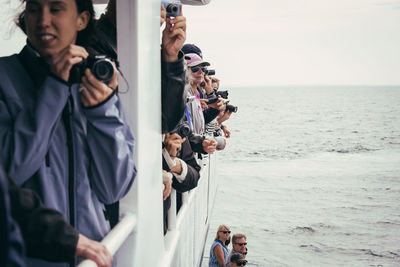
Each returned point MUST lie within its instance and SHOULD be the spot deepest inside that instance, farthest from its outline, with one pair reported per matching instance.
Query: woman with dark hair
(219, 251)
(62, 135)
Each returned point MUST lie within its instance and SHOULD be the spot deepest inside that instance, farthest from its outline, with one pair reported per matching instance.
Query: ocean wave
(312, 247)
(384, 254)
(303, 229)
(356, 149)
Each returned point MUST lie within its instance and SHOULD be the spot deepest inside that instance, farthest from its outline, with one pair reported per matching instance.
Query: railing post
(172, 211)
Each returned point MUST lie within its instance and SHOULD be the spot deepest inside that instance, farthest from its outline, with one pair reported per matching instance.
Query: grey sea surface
(312, 176)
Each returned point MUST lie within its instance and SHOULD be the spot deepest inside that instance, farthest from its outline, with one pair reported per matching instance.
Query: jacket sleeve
(193, 173)
(46, 233)
(210, 114)
(173, 101)
(111, 143)
(25, 133)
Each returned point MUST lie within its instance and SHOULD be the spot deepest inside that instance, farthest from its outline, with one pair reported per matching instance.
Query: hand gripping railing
(116, 237)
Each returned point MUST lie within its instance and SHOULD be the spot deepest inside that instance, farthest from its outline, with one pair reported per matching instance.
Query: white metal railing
(116, 237)
(187, 230)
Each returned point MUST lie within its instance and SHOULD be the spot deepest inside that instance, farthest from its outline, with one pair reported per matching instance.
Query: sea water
(312, 176)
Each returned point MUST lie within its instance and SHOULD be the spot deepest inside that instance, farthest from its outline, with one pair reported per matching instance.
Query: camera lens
(184, 130)
(171, 8)
(103, 70)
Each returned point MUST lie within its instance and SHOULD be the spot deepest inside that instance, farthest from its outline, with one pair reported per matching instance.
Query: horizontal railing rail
(116, 237)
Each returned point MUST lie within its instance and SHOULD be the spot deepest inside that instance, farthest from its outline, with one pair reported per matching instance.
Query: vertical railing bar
(172, 211)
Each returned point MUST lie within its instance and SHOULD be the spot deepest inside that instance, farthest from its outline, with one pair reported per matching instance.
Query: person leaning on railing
(62, 135)
(180, 169)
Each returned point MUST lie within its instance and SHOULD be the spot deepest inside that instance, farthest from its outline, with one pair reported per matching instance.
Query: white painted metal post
(172, 212)
(138, 23)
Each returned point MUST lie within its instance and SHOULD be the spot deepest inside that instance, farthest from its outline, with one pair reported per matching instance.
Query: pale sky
(290, 42)
(269, 42)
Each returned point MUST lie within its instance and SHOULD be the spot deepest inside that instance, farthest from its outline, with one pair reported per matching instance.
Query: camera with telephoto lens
(223, 94)
(172, 7)
(100, 65)
(183, 129)
(232, 108)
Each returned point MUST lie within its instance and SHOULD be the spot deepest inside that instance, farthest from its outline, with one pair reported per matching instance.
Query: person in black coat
(180, 166)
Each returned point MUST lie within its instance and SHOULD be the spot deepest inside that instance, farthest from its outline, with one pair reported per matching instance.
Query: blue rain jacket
(77, 159)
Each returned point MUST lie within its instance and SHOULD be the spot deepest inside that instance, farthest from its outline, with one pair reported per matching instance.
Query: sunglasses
(226, 232)
(196, 69)
(241, 263)
(241, 244)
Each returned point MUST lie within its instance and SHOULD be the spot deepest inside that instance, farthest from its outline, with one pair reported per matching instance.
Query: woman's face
(52, 25)
(224, 234)
(198, 76)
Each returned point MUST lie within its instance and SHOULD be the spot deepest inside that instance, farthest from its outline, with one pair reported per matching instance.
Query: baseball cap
(193, 59)
(191, 48)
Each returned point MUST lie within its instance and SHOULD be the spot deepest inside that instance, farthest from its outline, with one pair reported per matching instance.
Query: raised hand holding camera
(174, 36)
(62, 63)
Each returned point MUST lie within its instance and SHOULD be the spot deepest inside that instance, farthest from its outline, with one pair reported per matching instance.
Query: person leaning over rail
(67, 139)
(219, 250)
(180, 169)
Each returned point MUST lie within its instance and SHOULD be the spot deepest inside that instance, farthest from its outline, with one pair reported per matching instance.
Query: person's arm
(111, 144)
(192, 174)
(172, 73)
(26, 130)
(219, 254)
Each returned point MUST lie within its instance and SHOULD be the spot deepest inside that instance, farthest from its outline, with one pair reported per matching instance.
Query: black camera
(183, 129)
(223, 94)
(210, 72)
(232, 108)
(100, 65)
(212, 98)
(173, 8)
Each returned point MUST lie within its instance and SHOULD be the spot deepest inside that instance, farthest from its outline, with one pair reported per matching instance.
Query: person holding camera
(180, 168)
(66, 139)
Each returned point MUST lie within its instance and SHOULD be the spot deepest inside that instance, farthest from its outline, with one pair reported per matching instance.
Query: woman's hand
(62, 63)
(93, 250)
(93, 91)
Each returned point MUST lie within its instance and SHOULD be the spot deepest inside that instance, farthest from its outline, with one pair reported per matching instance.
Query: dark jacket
(46, 233)
(11, 245)
(190, 182)
(77, 159)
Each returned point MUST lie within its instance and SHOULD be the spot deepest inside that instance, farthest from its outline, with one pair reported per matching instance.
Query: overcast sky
(292, 42)
(269, 42)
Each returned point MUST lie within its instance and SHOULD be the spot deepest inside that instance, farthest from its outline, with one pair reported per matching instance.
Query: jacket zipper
(67, 115)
